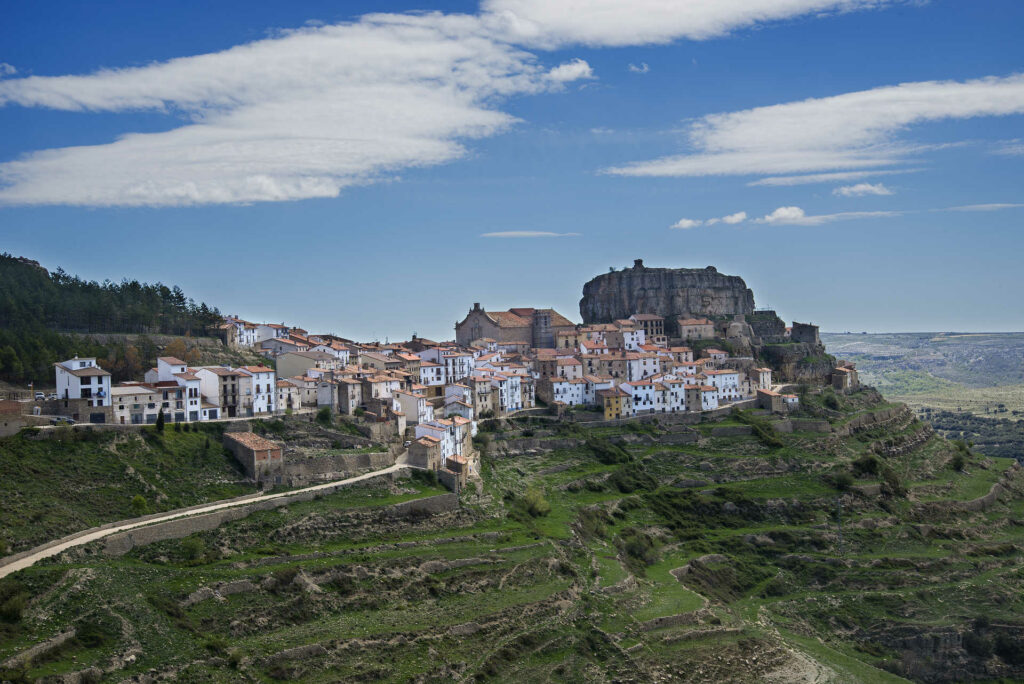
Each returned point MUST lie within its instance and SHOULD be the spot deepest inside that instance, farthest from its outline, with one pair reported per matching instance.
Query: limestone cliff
(668, 292)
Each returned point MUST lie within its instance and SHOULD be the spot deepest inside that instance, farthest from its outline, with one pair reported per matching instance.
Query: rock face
(668, 292)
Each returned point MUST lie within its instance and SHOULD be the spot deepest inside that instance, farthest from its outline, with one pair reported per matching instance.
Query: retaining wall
(123, 542)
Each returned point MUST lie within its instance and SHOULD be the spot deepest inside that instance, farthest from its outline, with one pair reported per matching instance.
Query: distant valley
(968, 385)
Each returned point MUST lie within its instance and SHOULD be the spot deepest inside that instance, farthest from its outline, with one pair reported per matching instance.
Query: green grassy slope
(53, 487)
(620, 558)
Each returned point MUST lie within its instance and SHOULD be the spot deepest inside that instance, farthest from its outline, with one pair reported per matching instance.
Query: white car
(52, 396)
(40, 396)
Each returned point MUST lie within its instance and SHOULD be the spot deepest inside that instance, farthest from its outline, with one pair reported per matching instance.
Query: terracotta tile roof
(251, 440)
(174, 361)
(256, 369)
(83, 372)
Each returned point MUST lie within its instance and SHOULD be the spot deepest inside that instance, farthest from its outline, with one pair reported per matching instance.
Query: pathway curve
(51, 549)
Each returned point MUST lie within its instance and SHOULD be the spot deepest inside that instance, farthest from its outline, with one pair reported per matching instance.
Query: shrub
(958, 462)
(865, 465)
(842, 481)
(139, 505)
(193, 548)
(323, 415)
(606, 452)
(639, 547)
(160, 421)
(535, 504)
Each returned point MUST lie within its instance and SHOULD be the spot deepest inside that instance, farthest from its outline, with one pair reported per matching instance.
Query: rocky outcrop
(668, 292)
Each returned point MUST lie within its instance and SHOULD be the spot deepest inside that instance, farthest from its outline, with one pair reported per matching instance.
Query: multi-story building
(83, 379)
(257, 390)
(219, 386)
(135, 404)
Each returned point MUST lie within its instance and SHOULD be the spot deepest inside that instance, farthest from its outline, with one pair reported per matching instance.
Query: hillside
(968, 386)
(47, 317)
(857, 547)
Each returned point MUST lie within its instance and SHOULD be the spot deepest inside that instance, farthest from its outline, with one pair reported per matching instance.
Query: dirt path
(52, 549)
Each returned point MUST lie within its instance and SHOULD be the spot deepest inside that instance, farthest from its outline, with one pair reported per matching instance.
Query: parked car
(62, 420)
(52, 396)
(40, 396)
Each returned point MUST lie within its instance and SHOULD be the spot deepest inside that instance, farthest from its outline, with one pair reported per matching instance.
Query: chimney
(638, 263)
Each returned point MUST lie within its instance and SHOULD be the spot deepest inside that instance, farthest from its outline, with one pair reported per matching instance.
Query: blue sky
(341, 172)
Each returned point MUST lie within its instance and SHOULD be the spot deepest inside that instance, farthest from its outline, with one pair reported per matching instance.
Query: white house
(644, 399)
(415, 407)
(258, 389)
(727, 382)
(701, 397)
(270, 331)
(83, 379)
(571, 392)
(432, 374)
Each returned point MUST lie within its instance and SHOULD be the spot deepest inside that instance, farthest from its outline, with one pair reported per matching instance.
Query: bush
(323, 415)
(606, 452)
(535, 504)
(865, 465)
(640, 548)
(842, 481)
(139, 505)
(977, 645)
(193, 548)
(958, 462)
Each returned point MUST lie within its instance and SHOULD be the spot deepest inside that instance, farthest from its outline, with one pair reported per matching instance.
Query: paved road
(45, 552)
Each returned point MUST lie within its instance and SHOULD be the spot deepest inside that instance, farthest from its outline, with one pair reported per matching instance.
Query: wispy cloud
(731, 219)
(807, 179)
(528, 234)
(984, 207)
(7, 70)
(548, 23)
(795, 216)
(861, 189)
(301, 115)
(642, 68)
(1013, 147)
(854, 131)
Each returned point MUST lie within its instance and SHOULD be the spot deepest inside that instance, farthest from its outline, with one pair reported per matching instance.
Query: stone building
(262, 459)
(537, 328)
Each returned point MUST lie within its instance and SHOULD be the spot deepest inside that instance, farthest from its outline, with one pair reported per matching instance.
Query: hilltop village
(430, 395)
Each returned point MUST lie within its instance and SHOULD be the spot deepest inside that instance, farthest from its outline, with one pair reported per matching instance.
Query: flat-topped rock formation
(668, 292)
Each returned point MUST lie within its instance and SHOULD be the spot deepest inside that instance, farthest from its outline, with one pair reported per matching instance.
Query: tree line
(47, 317)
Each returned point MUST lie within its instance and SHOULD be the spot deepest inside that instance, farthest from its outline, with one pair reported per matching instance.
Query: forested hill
(38, 308)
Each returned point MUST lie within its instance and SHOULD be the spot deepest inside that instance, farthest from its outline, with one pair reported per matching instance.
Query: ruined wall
(668, 292)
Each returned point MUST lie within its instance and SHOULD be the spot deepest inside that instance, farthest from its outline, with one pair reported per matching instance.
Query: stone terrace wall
(123, 542)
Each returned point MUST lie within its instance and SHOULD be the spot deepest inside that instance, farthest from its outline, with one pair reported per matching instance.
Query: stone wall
(298, 470)
(123, 542)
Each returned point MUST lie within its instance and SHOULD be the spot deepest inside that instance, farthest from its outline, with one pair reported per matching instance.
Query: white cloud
(731, 219)
(551, 23)
(861, 189)
(7, 70)
(527, 234)
(795, 216)
(985, 207)
(643, 68)
(1011, 147)
(571, 71)
(853, 131)
(807, 179)
(304, 114)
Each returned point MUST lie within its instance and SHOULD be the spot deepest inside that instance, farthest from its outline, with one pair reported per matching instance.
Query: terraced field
(873, 552)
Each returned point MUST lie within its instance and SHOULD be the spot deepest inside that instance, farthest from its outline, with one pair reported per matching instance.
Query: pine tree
(160, 421)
